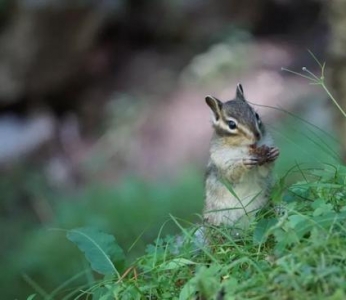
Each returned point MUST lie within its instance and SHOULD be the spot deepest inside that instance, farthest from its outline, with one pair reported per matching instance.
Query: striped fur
(236, 186)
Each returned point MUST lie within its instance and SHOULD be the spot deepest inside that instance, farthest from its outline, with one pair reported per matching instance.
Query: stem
(312, 74)
(317, 81)
(315, 58)
(333, 99)
(298, 74)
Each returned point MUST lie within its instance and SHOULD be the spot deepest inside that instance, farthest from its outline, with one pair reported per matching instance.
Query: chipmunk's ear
(240, 92)
(215, 106)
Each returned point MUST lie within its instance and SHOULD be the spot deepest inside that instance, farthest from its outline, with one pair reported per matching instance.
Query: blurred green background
(103, 121)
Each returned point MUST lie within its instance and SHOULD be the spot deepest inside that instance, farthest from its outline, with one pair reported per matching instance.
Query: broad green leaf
(321, 207)
(260, 233)
(31, 297)
(99, 248)
(188, 290)
(284, 239)
(296, 220)
(176, 263)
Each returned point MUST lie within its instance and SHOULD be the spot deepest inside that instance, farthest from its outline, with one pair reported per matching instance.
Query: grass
(295, 249)
(36, 257)
(253, 266)
(296, 252)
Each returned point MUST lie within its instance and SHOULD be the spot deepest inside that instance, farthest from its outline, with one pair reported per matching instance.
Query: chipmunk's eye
(232, 125)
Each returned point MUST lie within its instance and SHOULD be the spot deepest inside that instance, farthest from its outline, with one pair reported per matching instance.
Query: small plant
(315, 80)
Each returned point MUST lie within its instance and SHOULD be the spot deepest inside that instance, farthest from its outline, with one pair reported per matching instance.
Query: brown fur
(238, 177)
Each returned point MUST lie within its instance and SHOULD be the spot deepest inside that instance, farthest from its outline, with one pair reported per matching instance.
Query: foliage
(37, 257)
(99, 248)
(294, 250)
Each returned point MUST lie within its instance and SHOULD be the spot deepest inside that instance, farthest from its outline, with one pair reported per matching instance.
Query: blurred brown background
(94, 92)
(128, 79)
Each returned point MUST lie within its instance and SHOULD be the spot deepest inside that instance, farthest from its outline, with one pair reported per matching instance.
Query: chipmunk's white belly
(249, 192)
(246, 197)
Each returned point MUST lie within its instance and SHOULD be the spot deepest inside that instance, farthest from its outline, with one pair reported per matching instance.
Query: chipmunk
(242, 154)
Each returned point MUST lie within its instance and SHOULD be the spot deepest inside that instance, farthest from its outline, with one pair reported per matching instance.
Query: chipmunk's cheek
(255, 139)
(249, 139)
(246, 142)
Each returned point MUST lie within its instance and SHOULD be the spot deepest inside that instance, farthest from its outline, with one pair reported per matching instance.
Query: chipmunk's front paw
(273, 154)
(251, 162)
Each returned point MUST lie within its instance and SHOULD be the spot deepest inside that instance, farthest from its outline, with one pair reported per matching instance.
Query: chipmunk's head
(236, 120)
